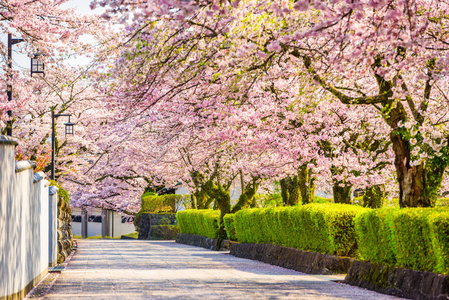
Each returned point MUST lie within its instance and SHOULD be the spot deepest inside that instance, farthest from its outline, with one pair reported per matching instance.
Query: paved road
(123, 269)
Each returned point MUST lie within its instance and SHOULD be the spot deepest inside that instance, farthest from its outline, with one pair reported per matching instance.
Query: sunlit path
(105, 269)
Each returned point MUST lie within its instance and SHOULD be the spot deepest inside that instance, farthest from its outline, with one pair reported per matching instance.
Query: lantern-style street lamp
(68, 127)
(68, 130)
(37, 66)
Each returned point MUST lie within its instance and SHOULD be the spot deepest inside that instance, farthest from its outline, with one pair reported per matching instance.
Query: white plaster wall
(120, 228)
(53, 230)
(76, 228)
(10, 232)
(24, 223)
(29, 217)
(115, 226)
(93, 229)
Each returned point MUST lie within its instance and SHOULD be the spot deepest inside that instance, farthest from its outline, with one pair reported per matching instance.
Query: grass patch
(133, 235)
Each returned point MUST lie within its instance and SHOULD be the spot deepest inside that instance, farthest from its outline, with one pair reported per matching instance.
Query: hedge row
(199, 221)
(415, 238)
(229, 224)
(322, 228)
(161, 204)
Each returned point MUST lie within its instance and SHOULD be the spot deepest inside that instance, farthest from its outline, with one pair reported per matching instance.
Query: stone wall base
(201, 241)
(399, 282)
(147, 220)
(290, 258)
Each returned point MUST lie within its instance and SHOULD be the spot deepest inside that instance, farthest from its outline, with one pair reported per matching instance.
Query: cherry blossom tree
(46, 29)
(208, 52)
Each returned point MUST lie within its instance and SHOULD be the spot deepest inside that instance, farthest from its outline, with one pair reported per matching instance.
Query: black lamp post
(68, 130)
(11, 42)
(36, 67)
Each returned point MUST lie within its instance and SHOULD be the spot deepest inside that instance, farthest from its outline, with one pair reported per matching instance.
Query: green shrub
(134, 235)
(62, 193)
(248, 223)
(375, 236)
(228, 221)
(199, 221)
(324, 228)
(318, 199)
(164, 232)
(268, 200)
(147, 193)
(164, 203)
(158, 204)
(440, 228)
(415, 238)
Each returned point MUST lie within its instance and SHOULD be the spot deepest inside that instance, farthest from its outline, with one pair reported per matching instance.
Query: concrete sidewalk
(124, 269)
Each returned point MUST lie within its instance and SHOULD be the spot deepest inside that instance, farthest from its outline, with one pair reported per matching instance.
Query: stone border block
(399, 282)
(294, 259)
(201, 241)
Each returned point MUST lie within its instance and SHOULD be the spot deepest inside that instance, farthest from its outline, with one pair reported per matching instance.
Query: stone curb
(398, 282)
(294, 259)
(201, 241)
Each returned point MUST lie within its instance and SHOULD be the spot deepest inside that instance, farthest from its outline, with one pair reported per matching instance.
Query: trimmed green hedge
(415, 238)
(199, 221)
(324, 228)
(228, 221)
(157, 204)
(164, 203)
(375, 236)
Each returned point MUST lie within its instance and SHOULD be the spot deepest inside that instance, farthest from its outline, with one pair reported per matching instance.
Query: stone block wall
(65, 236)
(148, 220)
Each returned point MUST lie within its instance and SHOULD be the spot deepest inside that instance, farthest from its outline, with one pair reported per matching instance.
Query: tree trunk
(193, 201)
(342, 194)
(374, 196)
(290, 190)
(223, 201)
(247, 196)
(201, 199)
(418, 185)
(306, 184)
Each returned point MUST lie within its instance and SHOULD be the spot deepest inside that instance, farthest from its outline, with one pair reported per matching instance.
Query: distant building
(98, 221)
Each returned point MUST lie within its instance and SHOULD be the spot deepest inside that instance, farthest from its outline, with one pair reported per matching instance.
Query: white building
(98, 221)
